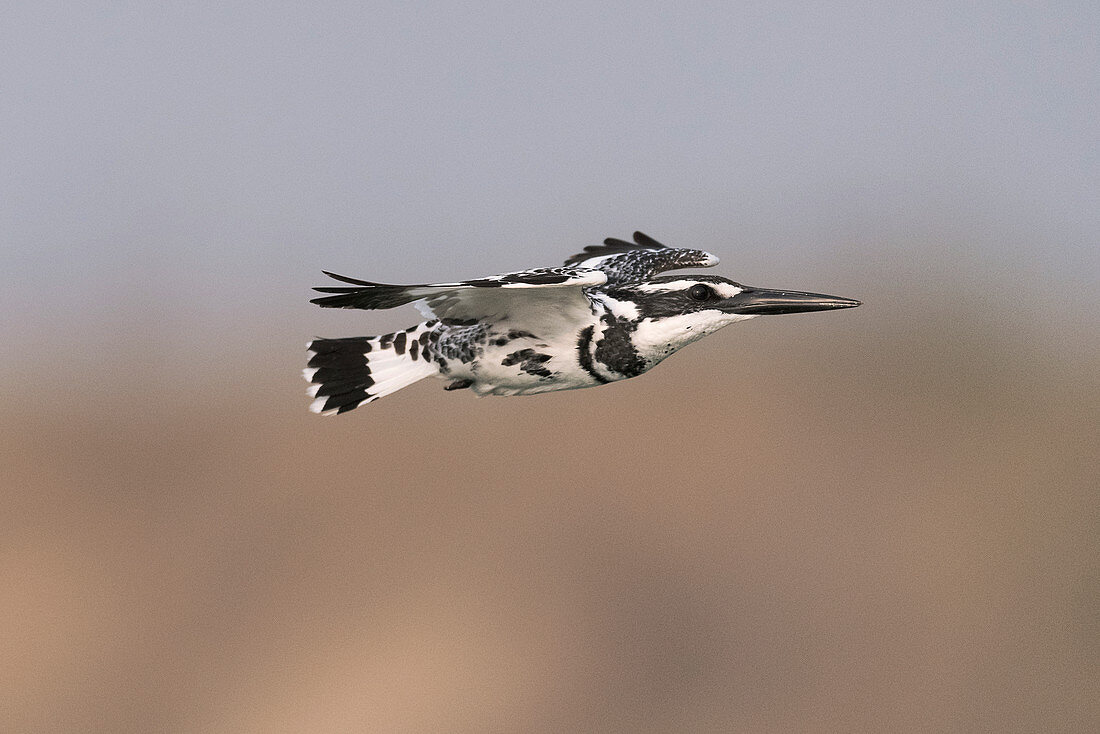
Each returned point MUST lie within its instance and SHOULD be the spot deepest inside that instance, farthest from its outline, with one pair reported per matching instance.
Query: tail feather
(346, 373)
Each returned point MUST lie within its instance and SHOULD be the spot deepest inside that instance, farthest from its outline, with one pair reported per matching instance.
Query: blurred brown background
(879, 520)
(813, 523)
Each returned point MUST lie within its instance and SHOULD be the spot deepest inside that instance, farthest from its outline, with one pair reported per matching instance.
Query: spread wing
(496, 295)
(632, 262)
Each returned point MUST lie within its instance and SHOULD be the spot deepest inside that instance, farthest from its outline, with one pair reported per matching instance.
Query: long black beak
(763, 301)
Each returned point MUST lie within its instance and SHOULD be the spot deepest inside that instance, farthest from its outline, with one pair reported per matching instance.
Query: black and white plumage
(607, 315)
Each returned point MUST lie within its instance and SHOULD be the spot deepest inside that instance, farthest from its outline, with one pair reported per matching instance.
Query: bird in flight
(607, 315)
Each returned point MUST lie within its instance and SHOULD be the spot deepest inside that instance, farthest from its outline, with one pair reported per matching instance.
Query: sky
(182, 173)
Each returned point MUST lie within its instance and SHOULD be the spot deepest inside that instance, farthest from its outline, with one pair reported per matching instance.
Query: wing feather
(639, 260)
(469, 299)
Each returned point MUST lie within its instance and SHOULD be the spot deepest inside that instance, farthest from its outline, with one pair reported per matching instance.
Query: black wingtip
(326, 302)
(341, 298)
(646, 241)
(346, 279)
(641, 239)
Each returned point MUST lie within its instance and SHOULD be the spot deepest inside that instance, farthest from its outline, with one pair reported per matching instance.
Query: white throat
(656, 339)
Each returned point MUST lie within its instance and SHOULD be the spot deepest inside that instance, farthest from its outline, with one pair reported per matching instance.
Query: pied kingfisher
(605, 316)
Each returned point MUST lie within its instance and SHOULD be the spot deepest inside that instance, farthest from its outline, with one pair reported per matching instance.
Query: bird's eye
(700, 292)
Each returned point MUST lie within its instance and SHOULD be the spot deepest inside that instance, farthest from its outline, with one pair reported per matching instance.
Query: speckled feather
(632, 262)
(605, 316)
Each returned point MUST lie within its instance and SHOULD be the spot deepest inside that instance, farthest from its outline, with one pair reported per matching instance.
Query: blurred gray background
(875, 520)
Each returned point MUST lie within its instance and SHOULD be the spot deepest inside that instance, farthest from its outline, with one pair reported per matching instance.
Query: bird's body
(604, 317)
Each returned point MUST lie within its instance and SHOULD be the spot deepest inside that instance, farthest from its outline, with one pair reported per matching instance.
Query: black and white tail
(345, 373)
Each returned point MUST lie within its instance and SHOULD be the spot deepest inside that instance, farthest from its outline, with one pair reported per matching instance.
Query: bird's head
(672, 311)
